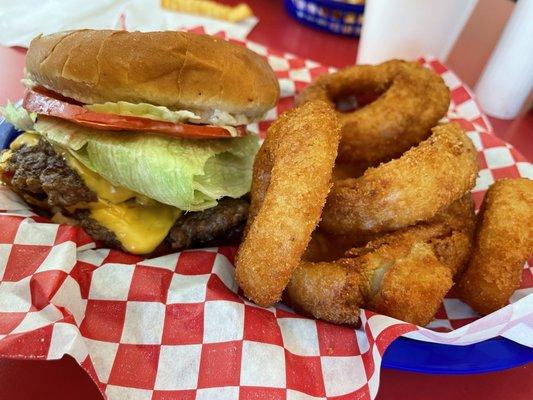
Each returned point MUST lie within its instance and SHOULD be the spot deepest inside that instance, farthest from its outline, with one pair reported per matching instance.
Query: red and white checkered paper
(174, 327)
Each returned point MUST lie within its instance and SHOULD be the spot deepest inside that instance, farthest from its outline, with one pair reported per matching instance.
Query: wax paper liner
(174, 327)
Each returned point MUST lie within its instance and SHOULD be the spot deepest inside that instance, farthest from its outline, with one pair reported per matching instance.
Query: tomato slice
(44, 103)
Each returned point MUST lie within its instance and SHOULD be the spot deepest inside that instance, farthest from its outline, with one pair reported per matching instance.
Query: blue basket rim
(357, 8)
(491, 355)
(293, 12)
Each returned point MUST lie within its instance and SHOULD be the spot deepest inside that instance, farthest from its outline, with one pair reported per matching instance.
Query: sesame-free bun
(178, 70)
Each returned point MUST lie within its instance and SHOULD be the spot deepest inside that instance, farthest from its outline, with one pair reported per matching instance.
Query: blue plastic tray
(328, 15)
(413, 355)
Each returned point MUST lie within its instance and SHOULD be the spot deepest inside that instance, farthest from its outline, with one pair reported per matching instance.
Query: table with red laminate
(64, 379)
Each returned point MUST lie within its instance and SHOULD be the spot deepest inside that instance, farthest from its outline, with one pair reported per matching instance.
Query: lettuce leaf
(144, 110)
(161, 113)
(188, 174)
(17, 116)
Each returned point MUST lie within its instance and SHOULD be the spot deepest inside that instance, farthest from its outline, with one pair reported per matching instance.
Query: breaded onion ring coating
(404, 274)
(449, 234)
(409, 288)
(407, 283)
(291, 180)
(502, 244)
(327, 290)
(402, 192)
(412, 100)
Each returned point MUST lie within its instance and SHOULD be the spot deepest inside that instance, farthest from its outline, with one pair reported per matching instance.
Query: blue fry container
(328, 15)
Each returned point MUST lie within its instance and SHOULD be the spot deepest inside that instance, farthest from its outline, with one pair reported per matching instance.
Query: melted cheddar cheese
(139, 223)
(102, 187)
(4, 157)
(139, 228)
(26, 138)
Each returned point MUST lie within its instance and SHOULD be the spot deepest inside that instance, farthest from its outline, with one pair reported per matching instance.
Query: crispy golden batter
(449, 234)
(411, 220)
(291, 180)
(404, 274)
(503, 242)
(409, 288)
(412, 100)
(210, 8)
(327, 290)
(402, 192)
(407, 282)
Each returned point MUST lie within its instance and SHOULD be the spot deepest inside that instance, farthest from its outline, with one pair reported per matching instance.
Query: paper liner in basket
(174, 327)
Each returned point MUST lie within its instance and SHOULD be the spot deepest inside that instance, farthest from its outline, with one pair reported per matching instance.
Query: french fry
(210, 9)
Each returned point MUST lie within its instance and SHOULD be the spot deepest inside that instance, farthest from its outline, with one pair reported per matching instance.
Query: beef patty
(40, 173)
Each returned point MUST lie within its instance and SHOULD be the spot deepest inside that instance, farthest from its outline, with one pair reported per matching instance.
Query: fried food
(454, 244)
(402, 192)
(412, 100)
(210, 9)
(393, 238)
(327, 290)
(410, 287)
(291, 180)
(334, 291)
(407, 282)
(503, 242)
(404, 274)
(449, 234)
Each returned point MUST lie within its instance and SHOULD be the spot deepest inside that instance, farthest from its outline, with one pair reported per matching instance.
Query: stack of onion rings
(292, 175)
(393, 238)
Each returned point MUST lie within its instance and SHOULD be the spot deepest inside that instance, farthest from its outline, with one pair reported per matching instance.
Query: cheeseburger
(140, 138)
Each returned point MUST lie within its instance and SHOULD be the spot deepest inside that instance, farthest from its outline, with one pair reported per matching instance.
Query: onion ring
(334, 291)
(450, 235)
(402, 192)
(503, 243)
(291, 180)
(410, 287)
(326, 290)
(413, 99)
(405, 274)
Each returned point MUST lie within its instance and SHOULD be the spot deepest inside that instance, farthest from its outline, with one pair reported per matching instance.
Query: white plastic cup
(507, 78)
(409, 29)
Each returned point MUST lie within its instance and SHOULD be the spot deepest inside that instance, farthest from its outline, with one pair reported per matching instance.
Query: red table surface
(63, 379)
